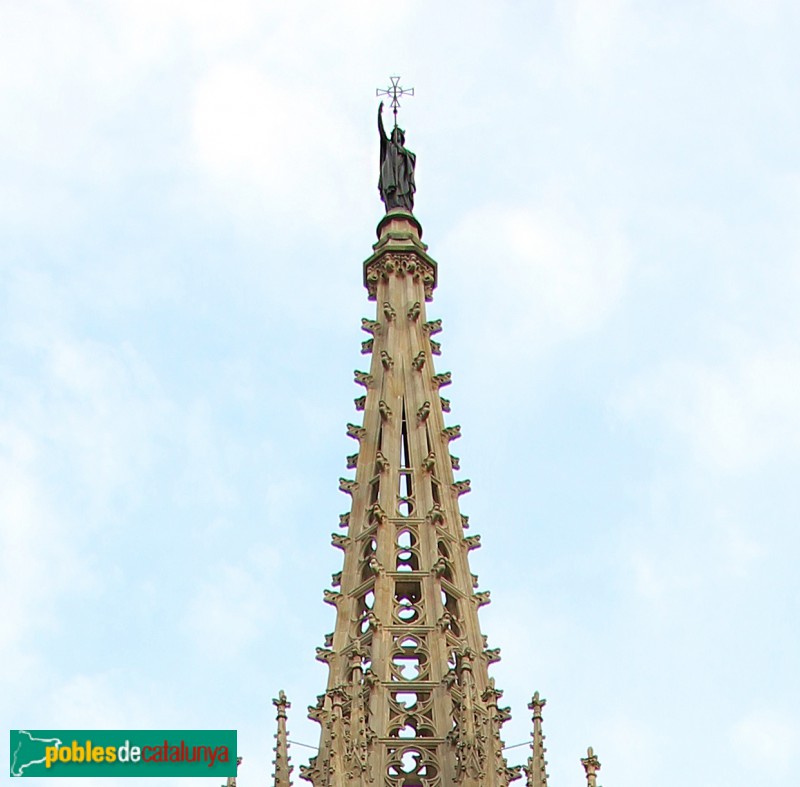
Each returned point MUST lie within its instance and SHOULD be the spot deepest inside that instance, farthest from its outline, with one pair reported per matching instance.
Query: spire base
(397, 220)
(399, 250)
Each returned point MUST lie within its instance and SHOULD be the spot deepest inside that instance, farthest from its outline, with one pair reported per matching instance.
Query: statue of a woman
(396, 183)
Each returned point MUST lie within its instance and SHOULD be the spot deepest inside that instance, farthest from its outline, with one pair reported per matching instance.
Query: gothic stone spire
(591, 765)
(283, 770)
(409, 701)
(536, 768)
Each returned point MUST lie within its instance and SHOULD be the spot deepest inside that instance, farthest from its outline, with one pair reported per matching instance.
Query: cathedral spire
(591, 765)
(283, 770)
(536, 768)
(409, 701)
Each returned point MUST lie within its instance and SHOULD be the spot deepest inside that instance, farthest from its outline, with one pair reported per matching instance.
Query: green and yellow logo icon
(122, 753)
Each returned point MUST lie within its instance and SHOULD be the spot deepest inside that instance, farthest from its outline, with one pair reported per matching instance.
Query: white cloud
(259, 142)
(630, 749)
(755, 14)
(238, 600)
(547, 275)
(671, 568)
(766, 742)
(658, 578)
(598, 34)
(733, 415)
(38, 560)
(80, 422)
(151, 27)
(107, 700)
(103, 411)
(741, 553)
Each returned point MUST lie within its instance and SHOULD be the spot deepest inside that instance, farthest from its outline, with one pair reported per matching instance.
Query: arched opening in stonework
(405, 452)
(407, 731)
(407, 560)
(369, 599)
(450, 603)
(412, 768)
(406, 539)
(436, 495)
(406, 699)
(364, 607)
(405, 485)
(367, 553)
(406, 666)
(407, 596)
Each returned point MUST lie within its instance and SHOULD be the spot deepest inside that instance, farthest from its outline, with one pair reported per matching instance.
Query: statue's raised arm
(382, 133)
(381, 129)
(396, 183)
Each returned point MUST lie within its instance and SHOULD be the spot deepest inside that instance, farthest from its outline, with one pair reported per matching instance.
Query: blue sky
(612, 192)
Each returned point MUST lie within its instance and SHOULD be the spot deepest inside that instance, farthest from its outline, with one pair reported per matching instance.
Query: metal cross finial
(395, 91)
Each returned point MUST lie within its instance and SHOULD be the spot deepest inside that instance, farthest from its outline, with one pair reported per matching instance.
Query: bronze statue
(396, 183)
